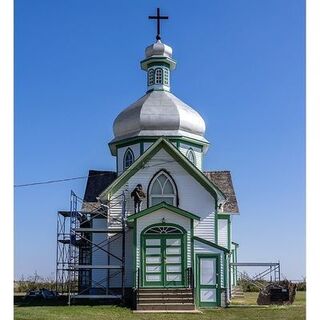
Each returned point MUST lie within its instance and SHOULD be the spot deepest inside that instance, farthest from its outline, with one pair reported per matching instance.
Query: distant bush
(34, 282)
(251, 286)
(302, 286)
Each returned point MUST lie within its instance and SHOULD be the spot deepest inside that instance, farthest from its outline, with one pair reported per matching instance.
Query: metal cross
(158, 18)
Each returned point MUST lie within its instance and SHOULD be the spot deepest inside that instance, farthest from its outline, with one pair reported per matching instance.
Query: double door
(163, 261)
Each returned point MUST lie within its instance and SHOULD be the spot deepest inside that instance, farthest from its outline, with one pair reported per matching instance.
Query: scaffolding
(271, 270)
(76, 243)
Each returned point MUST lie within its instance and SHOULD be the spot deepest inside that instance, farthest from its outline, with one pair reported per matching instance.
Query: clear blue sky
(241, 64)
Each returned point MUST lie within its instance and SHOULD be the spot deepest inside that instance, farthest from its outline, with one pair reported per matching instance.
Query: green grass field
(245, 309)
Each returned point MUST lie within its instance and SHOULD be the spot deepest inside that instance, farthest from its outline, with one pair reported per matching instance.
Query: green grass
(244, 309)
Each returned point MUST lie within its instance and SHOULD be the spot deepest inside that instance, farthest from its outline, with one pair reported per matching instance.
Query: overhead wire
(81, 177)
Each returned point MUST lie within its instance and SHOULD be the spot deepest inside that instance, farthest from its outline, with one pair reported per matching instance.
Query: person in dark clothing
(137, 194)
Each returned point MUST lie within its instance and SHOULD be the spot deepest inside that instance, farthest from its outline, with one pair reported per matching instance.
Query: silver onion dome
(159, 113)
(158, 49)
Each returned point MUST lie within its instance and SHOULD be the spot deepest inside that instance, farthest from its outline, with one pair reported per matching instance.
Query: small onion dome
(156, 114)
(158, 49)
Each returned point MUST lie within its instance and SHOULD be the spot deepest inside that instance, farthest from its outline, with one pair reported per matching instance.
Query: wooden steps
(173, 299)
(237, 293)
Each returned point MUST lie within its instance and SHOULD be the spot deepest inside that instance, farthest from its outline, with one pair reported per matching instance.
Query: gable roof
(162, 143)
(163, 205)
(97, 182)
(223, 180)
(211, 244)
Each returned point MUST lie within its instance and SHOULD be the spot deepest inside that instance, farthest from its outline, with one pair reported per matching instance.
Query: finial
(158, 17)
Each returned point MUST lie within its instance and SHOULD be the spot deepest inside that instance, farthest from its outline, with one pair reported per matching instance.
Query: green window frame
(128, 159)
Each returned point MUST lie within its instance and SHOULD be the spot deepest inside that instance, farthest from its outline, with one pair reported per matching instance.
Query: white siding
(223, 232)
(193, 197)
(205, 227)
(121, 151)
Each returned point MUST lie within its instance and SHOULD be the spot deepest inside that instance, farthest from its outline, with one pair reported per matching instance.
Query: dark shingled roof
(100, 180)
(223, 180)
(97, 182)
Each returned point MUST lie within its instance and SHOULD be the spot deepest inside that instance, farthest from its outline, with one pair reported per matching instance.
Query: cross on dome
(158, 17)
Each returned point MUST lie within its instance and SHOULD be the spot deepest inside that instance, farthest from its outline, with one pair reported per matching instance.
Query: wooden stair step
(167, 306)
(165, 301)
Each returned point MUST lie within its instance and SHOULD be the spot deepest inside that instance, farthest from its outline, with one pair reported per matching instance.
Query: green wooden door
(163, 261)
(208, 280)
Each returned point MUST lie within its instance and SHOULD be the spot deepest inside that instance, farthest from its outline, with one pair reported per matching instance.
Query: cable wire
(83, 177)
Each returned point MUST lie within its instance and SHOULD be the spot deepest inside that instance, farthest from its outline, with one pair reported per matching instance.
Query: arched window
(150, 77)
(163, 230)
(128, 159)
(191, 156)
(162, 188)
(158, 76)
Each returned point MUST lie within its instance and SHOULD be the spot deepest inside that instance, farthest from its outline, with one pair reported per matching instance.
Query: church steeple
(158, 61)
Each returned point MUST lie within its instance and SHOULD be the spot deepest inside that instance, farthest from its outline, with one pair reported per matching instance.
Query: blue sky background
(241, 65)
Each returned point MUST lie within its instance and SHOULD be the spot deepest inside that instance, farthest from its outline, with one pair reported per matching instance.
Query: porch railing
(138, 285)
(190, 280)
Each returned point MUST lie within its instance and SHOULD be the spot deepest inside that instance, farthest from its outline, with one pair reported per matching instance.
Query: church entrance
(163, 256)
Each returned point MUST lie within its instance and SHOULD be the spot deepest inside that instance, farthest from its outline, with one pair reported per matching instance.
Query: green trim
(134, 249)
(218, 280)
(163, 205)
(225, 271)
(192, 245)
(163, 64)
(223, 216)
(211, 244)
(163, 237)
(144, 64)
(229, 234)
(163, 224)
(141, 148)
(216, 227)
(189, 144)
(162, 143)
(129, 141)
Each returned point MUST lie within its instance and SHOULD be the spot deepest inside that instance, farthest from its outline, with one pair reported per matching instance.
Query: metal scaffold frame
(272, 270)
(75, 237)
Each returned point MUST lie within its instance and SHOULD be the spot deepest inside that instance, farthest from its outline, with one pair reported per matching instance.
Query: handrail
(138, 285)
(190, 280)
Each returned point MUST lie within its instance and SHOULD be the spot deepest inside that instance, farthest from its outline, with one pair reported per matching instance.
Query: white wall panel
(223, 232)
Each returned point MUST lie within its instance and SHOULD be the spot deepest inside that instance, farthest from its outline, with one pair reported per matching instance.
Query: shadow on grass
(21, 301)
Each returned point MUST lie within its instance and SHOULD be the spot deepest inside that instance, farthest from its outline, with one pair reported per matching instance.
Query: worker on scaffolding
(137, 194)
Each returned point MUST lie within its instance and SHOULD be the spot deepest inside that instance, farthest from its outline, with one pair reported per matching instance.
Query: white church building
(177, 246)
